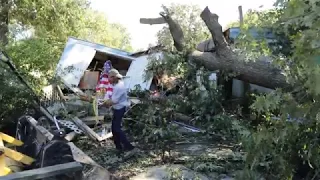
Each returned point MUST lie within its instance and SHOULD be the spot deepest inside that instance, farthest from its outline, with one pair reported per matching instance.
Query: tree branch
(175, 30)
(152, 21)
(258, 72)
(206, 46)
(211, 20)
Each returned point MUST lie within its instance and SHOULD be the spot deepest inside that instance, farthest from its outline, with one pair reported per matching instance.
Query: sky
(128, 13)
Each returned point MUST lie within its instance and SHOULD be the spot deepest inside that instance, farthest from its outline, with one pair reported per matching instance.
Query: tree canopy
(48, 24)
(279, 135)
(35, 34)
(189, 19)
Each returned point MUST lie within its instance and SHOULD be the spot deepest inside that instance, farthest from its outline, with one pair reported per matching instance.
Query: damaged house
(81, 64)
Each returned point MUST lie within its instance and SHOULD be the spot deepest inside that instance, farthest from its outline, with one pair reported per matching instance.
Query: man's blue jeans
(119, 138)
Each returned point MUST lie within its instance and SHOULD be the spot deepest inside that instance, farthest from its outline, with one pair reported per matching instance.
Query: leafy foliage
(284, 145)
(38, 33)
(189, 94)
(11, 107)
(189, 19)
(285, 142)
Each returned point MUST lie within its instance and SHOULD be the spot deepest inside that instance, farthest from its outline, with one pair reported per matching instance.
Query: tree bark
(211, 20)
(175, 30)
(206, 46)
(4, 21)
(224, 58)
(257, 72)
(152, 21)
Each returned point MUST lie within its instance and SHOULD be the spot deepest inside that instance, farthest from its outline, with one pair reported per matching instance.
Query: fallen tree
(222, 57)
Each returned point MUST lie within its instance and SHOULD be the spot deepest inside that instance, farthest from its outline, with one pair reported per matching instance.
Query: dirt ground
(210, 160)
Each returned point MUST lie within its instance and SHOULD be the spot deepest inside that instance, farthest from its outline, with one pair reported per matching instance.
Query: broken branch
(211, 21)
(175, 30)
(152, 21)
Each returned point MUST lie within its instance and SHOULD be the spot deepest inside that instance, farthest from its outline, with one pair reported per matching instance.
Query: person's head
(114, 76)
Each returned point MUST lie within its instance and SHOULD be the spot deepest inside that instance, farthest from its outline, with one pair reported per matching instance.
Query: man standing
(119, 102)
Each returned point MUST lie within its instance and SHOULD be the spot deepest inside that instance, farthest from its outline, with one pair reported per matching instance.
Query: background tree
(36, 32)
(4, 21)
(48, 25)
(256, 18)
(193, 27)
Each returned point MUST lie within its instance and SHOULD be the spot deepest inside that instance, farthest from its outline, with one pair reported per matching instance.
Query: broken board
(89, 132)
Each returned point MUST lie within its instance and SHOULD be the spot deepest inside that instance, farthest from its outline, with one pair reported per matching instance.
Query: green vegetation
(37, 33)
(275, 147)
(193, 27)
(262, 143)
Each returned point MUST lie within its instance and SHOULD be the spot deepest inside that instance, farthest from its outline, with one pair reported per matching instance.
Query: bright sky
(128, 13)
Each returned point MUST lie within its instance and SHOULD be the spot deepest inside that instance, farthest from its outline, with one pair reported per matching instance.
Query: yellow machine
(11, 155)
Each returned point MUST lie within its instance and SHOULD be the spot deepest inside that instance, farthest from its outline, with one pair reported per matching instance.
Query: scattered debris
(45, 151)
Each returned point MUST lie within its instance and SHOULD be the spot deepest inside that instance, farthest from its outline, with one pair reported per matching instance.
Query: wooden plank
(80, 156)
(92, 118)
(45, 172)
(18, 156)
(70, 136)
(107, 136)
(66, 98)
(96, 171)
(10, 139)
(86, 129)
(61, 95)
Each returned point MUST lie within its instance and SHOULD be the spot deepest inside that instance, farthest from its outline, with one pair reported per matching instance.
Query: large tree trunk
(256, 72)
(4, 21)
(259, 72)
(223, 57)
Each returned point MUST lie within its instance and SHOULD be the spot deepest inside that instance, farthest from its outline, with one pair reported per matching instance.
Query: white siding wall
(136, 73)
(238, 88)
